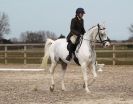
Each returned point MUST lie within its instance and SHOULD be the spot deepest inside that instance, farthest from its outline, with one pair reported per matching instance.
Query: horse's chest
(86, 54)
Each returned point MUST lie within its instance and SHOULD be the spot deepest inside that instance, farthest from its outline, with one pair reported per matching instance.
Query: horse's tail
(46, 52)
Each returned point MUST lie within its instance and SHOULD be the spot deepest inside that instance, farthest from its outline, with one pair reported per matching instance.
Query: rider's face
(81, 15)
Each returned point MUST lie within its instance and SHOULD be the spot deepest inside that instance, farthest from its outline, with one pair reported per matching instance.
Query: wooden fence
(24, 49)
(118, 48)
(19, 48)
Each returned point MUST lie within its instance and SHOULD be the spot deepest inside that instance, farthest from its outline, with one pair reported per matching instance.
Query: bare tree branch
(131, 29)
(37, 37)
(4, 25)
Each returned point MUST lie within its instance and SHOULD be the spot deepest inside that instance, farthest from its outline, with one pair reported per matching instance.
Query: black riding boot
(71, 48)
(68, 58)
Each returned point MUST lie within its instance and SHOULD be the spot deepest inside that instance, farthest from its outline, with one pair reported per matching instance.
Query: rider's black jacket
(76, 28)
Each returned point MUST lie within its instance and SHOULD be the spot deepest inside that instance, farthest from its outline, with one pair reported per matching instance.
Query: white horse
(85, 52)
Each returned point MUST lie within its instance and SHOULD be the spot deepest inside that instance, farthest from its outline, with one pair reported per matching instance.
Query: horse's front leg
(93, 64)
(84, 70)
(94, 70)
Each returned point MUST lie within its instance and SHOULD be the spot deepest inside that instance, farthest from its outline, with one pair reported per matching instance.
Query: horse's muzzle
(107, 44)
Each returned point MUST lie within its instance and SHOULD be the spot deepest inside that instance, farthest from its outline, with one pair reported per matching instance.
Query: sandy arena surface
(113, 86)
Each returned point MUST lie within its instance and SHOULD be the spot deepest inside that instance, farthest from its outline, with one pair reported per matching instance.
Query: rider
(76, 31)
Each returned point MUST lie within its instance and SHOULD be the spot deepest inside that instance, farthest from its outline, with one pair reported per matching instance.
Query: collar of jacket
(78, 18)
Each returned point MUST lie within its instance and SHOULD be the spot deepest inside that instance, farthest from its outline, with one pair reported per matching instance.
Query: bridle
(99, 35)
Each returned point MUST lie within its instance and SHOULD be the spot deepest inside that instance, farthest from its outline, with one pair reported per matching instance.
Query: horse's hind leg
(52, 68)
(64, 67)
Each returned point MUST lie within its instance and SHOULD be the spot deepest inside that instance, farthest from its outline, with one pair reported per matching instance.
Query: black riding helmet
(80, 10)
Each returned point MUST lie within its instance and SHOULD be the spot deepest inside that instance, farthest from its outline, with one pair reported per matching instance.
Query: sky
(56, 15)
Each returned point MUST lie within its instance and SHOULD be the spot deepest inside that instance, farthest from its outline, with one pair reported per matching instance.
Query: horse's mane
(92, 27)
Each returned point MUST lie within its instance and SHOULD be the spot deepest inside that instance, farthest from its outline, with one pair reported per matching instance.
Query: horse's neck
(91, 34)
(89, 38)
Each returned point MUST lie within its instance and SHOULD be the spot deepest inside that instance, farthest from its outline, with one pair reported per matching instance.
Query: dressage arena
(113, 86)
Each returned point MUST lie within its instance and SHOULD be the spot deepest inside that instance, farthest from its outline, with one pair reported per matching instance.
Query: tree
(14, 40)
(23, 37)
(50, 35)
(31, 37)
(36, 37)
(131, 31)
(4, 25)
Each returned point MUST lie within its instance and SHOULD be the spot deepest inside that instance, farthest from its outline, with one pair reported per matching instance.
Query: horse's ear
(98, 25)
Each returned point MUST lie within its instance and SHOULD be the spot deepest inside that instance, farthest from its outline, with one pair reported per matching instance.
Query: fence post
(25, 54)
(5, 56)
(114, 54)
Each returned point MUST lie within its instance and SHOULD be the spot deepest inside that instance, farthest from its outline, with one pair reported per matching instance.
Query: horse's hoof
(88, 91)
(64, 89)
(94, 79)
(100, 70)
(83, 85)
(51, 88)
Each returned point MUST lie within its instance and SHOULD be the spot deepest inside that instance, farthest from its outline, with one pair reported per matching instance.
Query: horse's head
(98, 34)
(101, 36)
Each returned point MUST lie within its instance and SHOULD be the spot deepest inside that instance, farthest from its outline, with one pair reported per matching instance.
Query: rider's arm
(83, 29)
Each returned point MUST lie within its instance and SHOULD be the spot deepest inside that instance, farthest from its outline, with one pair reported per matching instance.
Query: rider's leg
(71, 47)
